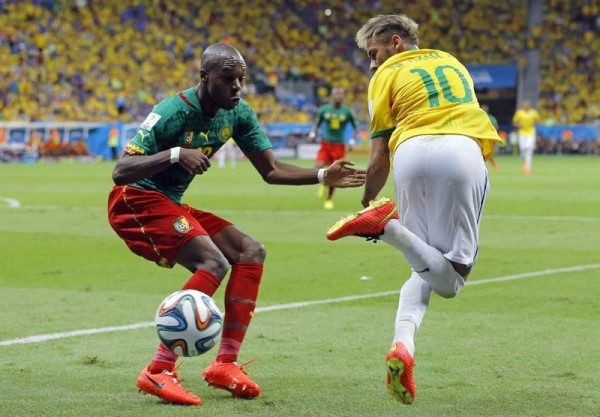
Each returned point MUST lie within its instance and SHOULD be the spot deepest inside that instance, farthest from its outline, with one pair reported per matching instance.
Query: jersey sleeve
(248, 134)
(382, 120)
(159, 131)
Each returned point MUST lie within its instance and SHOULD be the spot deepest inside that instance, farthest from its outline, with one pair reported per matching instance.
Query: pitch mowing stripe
(15, 204)
(289, 306)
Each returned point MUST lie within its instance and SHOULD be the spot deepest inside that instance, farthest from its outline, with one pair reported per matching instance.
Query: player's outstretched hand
(341, 174)
(194, 161)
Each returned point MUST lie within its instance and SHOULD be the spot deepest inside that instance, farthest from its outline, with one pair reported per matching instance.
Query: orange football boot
(166, 386)
(231, 377)
(400, 380)
(369, 222)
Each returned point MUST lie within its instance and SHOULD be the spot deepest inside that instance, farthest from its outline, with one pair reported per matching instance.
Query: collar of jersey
(398, 58)
(192, 99)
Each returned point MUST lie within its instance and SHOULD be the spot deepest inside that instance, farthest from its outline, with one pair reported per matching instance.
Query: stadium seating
(105, 61)
(569, 42)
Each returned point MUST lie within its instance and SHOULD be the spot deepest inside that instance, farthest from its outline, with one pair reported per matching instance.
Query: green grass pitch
(526, 344)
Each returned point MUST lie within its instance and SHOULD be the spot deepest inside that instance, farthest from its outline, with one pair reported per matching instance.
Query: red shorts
(153, 226)
(330, 152)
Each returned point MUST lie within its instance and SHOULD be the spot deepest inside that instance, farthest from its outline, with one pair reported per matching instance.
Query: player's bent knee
(253, 252)
(451, 287)
(218, 266)
(447, 292)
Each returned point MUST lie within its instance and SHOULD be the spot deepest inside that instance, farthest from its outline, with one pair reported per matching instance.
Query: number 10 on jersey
(439, 81)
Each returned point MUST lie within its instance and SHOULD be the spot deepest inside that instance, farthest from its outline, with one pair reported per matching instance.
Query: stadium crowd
(569, 42)
(103, 61)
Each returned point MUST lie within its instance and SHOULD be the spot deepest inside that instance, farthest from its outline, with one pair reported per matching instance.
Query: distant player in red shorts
(335, 116)
(172, 146)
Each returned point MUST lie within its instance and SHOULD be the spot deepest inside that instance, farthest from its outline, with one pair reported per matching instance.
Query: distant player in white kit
(426, 121)
(230, 152)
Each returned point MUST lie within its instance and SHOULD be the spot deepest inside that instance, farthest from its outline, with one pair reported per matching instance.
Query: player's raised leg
(369, 222)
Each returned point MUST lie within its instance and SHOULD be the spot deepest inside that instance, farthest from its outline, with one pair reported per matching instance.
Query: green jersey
(335, 120)
(180, 121)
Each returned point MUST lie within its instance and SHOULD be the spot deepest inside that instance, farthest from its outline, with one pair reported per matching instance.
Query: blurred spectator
(121, 50)
(113, 142)
(570, 79)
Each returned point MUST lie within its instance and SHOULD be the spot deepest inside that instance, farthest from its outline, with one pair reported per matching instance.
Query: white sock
(528, 159)
(426, 260)
(412, 305)
(405, 333)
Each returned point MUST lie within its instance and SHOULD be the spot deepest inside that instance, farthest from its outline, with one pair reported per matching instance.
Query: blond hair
(386, 26)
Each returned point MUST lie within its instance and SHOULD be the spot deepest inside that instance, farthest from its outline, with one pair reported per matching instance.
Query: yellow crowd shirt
(427, 92)
(526, 120)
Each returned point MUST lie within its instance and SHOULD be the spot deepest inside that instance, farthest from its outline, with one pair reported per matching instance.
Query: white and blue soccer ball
(188, 322)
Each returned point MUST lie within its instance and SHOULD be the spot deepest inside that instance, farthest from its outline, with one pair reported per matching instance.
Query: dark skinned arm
(340, 174)
(132, 168)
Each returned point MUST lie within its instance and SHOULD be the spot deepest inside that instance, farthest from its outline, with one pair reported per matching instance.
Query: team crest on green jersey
(225, 133)
(189, 137)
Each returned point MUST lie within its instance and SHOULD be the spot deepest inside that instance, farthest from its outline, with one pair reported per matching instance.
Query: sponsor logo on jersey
(182, 225)
(204, 135)
(150, 121)
(225, 134)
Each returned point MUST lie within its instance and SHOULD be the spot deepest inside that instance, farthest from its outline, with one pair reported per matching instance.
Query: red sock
(164, 359)
(240, 300)
(203, 281)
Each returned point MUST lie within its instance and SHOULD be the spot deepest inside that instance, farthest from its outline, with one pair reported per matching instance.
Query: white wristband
(175, 154)
(321, 176)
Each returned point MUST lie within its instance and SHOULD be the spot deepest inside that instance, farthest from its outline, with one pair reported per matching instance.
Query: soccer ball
(188, 322)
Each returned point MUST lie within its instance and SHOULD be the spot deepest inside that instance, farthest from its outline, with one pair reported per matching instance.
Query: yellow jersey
(427, 92)
(526, 120)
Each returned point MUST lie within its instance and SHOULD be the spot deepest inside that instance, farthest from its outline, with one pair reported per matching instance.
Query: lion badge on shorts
(182, 225)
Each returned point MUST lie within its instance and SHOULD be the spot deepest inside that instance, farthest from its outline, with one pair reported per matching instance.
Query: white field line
(290, 306)
(11, 202)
